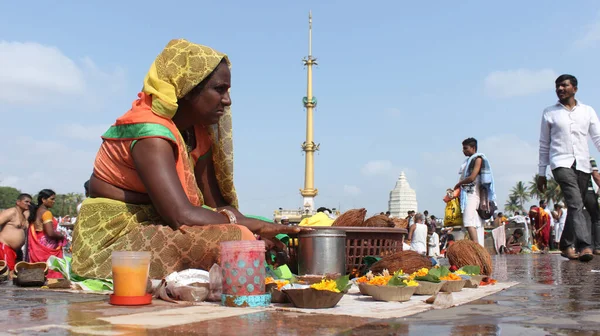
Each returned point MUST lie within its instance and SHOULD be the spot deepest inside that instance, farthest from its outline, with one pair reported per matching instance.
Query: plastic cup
(243, 267)
(130, 272)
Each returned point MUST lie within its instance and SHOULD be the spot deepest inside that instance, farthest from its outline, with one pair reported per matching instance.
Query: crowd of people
(163, 180)
(29, 232)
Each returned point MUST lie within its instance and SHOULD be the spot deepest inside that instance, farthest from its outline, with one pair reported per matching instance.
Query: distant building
(402, 198)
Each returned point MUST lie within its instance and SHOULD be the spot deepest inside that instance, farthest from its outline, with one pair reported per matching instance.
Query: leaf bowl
(313, 298)
(428, 287)
(391, 293)
(453, 286)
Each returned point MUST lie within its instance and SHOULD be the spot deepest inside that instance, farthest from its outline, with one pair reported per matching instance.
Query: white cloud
(30, 69)
(512, 159)
(351, 190)
(376, 167)
(82, 132)
(34, 164)
(520, 82)
(591, 36)
(33, 73)
(9, 180)
(392, 112)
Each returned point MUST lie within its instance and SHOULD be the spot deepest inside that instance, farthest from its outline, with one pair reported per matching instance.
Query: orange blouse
(114, 162)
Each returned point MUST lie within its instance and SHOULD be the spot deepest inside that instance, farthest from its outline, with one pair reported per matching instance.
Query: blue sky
(399, 86)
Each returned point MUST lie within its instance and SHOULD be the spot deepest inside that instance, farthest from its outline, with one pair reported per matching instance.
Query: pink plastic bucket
(243, 267)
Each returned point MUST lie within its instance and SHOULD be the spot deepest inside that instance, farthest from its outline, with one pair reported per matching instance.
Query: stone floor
(555, 297)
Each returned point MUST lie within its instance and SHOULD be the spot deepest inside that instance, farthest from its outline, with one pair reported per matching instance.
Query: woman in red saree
(43, 239)
(541, 222)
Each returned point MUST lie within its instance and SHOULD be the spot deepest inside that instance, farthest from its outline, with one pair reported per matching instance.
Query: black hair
(23, 197)
(42, 195)
(518, 231)
(543, 201)
(470, 142)
(450, 237)
(86, 186)
(322, 209)
(565, 77)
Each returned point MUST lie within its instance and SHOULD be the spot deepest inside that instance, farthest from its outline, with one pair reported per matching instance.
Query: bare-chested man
(13, 227)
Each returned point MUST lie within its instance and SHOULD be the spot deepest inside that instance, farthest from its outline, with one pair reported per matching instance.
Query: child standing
(434, 244)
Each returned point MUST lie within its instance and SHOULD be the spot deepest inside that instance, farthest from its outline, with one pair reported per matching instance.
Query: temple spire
(309, 147)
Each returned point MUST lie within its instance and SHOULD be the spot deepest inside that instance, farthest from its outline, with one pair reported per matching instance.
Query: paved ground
(555, 297)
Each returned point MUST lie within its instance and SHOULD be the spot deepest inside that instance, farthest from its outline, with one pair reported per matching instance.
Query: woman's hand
(269, 230)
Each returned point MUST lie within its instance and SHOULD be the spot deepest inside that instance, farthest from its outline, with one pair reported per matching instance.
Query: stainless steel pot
(322, 251)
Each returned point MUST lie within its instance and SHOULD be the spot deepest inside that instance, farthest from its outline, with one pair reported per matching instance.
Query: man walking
(563, 145)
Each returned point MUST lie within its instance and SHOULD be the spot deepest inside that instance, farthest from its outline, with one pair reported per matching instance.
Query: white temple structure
(402, 198)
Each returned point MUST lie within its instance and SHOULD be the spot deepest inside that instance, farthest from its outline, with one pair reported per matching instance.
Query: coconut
(379, 221)
(353, 217)
(401, 223)
(407, 261)
(467, 252)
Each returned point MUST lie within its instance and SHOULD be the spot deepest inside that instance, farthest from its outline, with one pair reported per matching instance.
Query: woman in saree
(43, 240)
(163, 177)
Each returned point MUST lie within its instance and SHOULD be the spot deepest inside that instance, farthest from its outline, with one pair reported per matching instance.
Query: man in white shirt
(559, 221)
(563, 145)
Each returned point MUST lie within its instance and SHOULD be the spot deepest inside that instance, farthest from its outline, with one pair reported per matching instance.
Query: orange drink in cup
(130, 272)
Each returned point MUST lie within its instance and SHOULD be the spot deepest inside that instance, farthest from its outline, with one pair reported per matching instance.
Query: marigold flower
(280, 283)
(380, 280)
(451, 277)
(411, 283)
(362, 279)
(329, 285)
(422, 272)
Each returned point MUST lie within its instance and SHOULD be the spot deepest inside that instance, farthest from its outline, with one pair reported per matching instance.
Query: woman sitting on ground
(163, 177)
(43, 239)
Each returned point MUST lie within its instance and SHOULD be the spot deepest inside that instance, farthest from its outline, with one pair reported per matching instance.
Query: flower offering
(279, 282)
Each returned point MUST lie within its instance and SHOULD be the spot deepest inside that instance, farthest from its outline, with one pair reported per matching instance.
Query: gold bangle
(229, 214)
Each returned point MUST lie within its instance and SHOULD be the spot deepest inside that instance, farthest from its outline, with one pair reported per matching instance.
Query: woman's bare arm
(411, 231)
(50, 233)
(154, 160)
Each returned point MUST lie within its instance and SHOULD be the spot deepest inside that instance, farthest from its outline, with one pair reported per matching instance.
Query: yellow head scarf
(179, 68)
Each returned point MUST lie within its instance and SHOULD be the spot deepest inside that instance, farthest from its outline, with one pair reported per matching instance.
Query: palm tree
(553, 191)
(533, 189)
(512, 204)
(520, 192)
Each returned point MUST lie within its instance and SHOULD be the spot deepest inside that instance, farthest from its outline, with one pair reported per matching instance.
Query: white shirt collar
(559, 104)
